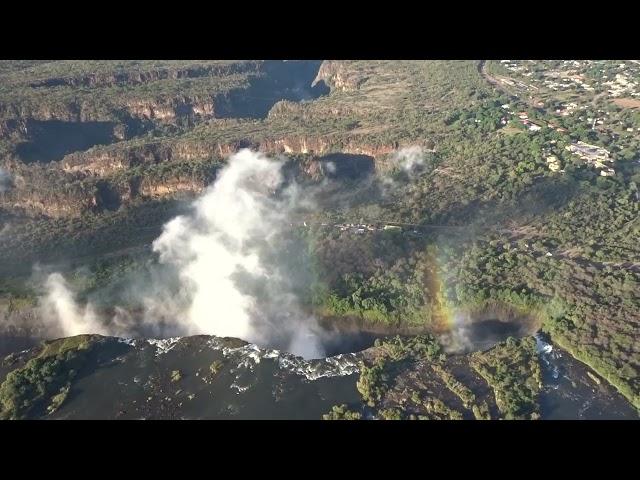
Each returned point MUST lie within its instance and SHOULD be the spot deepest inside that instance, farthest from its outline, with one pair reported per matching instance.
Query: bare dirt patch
(627, 102)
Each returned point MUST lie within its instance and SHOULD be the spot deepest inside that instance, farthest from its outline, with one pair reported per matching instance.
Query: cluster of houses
(566, 109)
(571, 81)
(362, 228)
(513, 65)
(593, 155)
(532, 126)
(516, 67)
(516, 83)
(568, 74)
(598, 157)
(595, 122)
(622, 85)
(358, 228)
(558, 80)
(571, 75)
(618, 86)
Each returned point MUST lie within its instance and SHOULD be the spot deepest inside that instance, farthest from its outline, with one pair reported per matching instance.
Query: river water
(569, 393)
(263, 383)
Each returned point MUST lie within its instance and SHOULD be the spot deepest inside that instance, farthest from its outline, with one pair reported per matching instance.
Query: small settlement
(593, 155)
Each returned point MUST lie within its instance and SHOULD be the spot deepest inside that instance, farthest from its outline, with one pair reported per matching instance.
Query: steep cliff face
(323, 145)
(101, 174)
(286, 109)
(124, 91)
(243, 89)
(13, 127)
(88, 184)
(67, 204)
(103, 162)
(336, 75)
(21, 325)
(168, 108)
(46, 141)
(171, 109)
(100, 163)
(42, 123)
(138, 77)
(40, 191)
(72, 193)
(154, 189)
(67, 111)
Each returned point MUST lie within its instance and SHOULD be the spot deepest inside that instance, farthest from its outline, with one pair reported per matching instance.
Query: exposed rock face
(167, 109)
(151, 189)
(104, 175)
(334, 74)
(69, 112)
(132, 105)
(39, 191)
(75, 110)
(288, 109)
(171, 109)
(102, 162)
(12, 127)
(67, 204)
(133, 77)
(100, 196)
(322, 146)
(97, 165)
(107, 161)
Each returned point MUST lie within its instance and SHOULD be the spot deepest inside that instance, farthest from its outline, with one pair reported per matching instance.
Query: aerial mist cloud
(62, 313)
(409, 159)
(459, 338)
(233, 264)
(229, 267)
(227, 255)
(405, 164)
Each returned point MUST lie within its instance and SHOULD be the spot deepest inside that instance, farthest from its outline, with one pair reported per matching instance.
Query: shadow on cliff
(283, 80)
(51, 140)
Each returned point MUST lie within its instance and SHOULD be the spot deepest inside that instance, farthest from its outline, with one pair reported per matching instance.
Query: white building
(553, 163)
